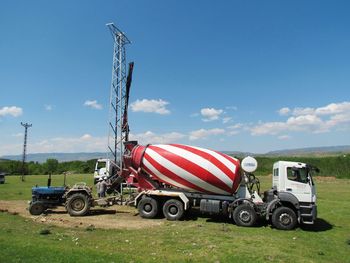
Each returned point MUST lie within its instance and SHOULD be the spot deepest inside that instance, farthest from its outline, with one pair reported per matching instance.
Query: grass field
(195, 239)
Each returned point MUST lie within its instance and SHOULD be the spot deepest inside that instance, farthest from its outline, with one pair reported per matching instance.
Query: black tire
(284, 218)
(36, 208)
(173, 209)
(148, 207)
(244, 215)
(78, 204)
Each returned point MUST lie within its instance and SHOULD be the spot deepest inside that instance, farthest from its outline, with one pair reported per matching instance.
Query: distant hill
(83, 156)
(312, 151)
(61, 157)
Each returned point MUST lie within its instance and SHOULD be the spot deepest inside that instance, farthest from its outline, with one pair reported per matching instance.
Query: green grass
(15, 189)
(196, 239)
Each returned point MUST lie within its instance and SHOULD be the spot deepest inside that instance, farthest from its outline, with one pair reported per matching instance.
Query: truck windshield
(298, 174)
(100, 165)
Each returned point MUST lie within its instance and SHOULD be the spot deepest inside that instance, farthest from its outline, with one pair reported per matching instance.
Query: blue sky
(228, 75)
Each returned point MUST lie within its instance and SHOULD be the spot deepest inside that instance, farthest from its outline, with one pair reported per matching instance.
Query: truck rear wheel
(284, 218)
(173, 209)
(244, 215)
(78, 204)
(148, 207)
(36, 208)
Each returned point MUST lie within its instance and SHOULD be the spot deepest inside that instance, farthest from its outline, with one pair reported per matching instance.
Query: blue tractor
(77, 200)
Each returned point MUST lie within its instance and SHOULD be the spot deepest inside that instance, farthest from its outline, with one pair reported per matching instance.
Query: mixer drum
(190, 168)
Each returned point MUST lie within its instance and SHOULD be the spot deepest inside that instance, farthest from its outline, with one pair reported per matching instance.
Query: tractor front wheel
(36, 208)
(78, 204)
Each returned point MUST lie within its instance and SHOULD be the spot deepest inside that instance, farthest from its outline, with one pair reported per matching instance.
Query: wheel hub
(78, 205)
(173, 210)
(244, 216)
(285, 219)
(147, 208)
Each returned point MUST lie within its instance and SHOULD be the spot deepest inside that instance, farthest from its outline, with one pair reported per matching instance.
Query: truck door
(298, 184)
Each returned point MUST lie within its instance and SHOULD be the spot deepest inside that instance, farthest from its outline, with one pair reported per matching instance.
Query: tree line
(51, 166)
(337, 166)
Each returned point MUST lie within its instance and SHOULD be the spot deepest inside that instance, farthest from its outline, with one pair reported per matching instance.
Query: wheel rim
(147, 208)
(173, 210)
(244, 216)
(36, 208)
(78, 205)
(285, 219)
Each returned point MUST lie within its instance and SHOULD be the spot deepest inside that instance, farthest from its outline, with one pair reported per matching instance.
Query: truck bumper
(314, 212)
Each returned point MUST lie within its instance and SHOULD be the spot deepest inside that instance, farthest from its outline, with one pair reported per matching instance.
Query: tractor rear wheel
(78, 204)
(36, 208)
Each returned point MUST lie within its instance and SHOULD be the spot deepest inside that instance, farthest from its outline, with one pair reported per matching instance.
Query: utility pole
(26, 126)
(118, 97)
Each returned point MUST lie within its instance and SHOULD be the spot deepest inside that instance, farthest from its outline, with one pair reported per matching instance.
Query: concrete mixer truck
(173, 178)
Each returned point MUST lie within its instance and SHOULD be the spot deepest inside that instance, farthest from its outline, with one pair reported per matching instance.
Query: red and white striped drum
(187, 167)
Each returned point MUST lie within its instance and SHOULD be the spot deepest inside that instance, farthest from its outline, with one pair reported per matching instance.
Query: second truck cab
(103, 167)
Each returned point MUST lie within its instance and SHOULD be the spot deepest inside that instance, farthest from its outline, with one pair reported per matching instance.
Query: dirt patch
(116, 217)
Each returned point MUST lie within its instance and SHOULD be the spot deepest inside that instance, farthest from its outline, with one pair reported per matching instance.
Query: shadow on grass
(93, 212)
(96, 212)
(320, 225)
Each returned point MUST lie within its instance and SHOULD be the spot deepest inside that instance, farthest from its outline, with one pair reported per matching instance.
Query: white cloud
(86, 137)
(271, 128)
(13, 111)
(226, 120)
(314, 120)
(84, 143)
(203, 133)
(330, 109)
(284, 111)
(48, 107)
(334, 108)
(303, 111)
(154, 106)
(93, 104)
(235, 129)
(284, 137)
(18, 134)
(150, 137)
(231, 108)
(211, 114)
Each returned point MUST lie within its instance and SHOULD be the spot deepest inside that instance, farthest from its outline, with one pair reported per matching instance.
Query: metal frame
(26, 126)
(116, 134)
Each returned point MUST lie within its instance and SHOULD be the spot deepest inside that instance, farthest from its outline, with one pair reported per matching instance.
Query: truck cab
(2, 178)
(104, 168)
(294, 184)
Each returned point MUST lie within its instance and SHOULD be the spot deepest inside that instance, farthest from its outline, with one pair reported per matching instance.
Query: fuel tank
(190, 168)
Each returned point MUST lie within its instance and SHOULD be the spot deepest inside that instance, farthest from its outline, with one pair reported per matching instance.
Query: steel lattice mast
(26, 126)
(117, 134)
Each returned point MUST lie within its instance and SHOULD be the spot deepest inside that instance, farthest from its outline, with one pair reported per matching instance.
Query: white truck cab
(293, 183)
(103, 167)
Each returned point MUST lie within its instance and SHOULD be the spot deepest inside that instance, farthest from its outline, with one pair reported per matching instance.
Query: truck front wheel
(284, 218)
(173, 209)
(148, 207)
(244, 215)
(78, 204)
